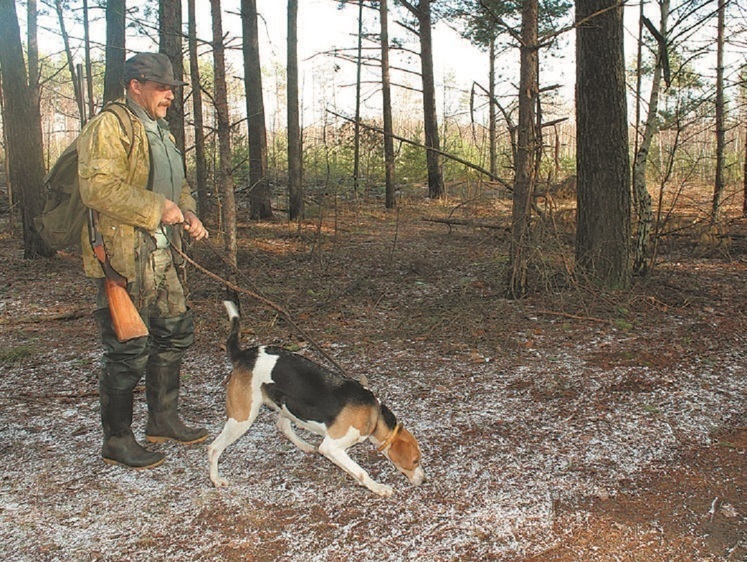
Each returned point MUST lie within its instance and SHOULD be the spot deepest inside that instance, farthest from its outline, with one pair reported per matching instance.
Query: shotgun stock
(126, 320)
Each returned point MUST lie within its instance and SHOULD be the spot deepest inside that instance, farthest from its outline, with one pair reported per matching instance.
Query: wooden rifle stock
(126, 320)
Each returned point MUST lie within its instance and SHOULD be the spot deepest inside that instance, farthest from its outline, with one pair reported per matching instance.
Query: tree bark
(259, 194)
(224, 176)
(170, 44)
(602, 159)
(115, 50)
(295, 189)
(22, 123)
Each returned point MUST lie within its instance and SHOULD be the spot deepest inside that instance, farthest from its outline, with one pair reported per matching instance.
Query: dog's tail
(232, 342)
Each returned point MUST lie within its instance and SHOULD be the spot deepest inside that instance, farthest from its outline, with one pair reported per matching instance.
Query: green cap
(155, 67)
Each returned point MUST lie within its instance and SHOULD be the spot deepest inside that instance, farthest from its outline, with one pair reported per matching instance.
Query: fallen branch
(37, 318)
(463, 222)
(573, 316)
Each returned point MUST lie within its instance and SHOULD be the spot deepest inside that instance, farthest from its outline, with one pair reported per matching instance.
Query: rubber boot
(162, 392)
(120, 446)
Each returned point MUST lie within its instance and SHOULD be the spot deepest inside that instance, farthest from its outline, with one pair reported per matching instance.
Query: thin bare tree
(718, 189)
(527, 153)
(224, 179)
(386, 89)
(203, 201)
(295, 155)
(641, 195)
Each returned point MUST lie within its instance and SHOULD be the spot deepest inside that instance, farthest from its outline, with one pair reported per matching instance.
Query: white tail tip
(233, 312)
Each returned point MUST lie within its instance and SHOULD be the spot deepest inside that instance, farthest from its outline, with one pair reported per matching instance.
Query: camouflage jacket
(117, 187)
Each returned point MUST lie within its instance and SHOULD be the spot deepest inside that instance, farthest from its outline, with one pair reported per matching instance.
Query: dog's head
(404, 453)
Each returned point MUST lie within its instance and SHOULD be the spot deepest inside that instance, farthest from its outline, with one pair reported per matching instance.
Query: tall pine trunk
(170, 44)
(602, 159)
(115, 49)
(259, 194)
(430, 119)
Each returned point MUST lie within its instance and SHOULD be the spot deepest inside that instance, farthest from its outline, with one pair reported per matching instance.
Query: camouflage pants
(160, 298)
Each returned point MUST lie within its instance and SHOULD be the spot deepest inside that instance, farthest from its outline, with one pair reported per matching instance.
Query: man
(135, 183)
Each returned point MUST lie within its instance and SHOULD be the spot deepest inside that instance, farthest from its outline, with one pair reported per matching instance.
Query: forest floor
(572, 424)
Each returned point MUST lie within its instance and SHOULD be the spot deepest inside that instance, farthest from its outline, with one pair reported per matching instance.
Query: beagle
(340, 409)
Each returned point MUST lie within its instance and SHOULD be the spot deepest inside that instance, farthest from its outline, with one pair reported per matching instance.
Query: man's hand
(194, 226)
(172, 214)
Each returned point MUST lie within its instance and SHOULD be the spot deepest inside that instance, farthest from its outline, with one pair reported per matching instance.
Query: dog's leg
(231, 432)
(286, 427)
(331, 449)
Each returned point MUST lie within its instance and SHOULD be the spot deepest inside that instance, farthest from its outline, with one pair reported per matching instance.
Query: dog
(340, 409)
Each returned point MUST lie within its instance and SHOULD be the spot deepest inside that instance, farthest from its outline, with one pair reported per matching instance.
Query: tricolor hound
(340, 409)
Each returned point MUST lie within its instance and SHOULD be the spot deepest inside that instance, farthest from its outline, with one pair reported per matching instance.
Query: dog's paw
(219, 482)
(382, 490)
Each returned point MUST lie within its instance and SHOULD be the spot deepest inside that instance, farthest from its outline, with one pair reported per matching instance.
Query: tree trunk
(170, 44)
(386, 88)
(295, 189)
(526, 154)
(718, 189)
(22, 123)
(642, 196)
(602, 160)
(115, 50)
(224, 176)
(430, 119)
(259, 194)
(203, 200)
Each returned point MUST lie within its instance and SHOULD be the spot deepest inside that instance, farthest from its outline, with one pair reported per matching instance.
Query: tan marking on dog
(239, 394)
(362, 418)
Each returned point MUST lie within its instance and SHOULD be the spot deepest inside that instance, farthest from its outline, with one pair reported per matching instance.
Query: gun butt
(126, 320)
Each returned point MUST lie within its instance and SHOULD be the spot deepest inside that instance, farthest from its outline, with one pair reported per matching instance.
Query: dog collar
(390, 438)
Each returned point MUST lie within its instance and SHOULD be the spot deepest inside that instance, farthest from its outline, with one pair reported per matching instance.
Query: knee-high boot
(162, 391)
(120, 446)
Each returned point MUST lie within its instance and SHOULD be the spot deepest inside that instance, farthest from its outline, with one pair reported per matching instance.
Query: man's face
(155, 98)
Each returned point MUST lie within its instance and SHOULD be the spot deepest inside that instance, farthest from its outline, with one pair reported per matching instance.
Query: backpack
(64, 213)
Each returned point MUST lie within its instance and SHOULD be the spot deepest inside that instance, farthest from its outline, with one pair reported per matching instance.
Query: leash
(262, 299)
